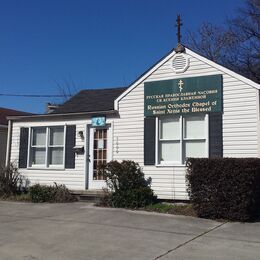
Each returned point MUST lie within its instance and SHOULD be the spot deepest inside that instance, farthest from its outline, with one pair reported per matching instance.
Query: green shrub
(41, 193)
(129, 187)
(54, 194)
(11, 181)
(132, 198)
(224, 188)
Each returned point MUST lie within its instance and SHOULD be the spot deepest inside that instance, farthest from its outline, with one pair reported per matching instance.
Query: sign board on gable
(183, 96)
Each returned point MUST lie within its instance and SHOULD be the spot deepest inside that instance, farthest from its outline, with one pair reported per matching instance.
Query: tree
(211, 41)
(67, 89)
(236, 45)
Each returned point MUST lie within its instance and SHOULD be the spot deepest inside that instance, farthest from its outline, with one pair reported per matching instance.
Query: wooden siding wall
(3, 143)
(72, 178)
(240, 120)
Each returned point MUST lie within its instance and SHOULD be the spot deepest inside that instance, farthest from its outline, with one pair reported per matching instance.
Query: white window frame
(182, 141)
(31, 146)
(47, 147)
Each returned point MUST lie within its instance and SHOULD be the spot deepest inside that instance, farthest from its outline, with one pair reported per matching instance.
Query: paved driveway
(81, 231)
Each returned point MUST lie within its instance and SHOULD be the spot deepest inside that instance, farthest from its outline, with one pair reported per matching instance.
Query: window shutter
(215, 135)
(70, 143)
(149, 140)
(23, 149)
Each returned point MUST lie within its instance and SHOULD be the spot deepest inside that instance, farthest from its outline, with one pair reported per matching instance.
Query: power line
(31, 95)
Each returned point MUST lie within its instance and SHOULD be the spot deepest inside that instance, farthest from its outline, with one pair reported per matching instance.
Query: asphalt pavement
(83, 231)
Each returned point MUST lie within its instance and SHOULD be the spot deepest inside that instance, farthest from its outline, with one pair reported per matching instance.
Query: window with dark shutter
(70, 143)
(181, 137)
(149, 140)
(23, 149)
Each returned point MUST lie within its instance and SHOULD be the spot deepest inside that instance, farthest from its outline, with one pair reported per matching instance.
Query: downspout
(9, 141)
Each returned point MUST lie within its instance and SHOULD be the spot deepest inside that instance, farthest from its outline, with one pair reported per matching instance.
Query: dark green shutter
(149, 140)
(23, 149)
(70, 143)
(215, 135)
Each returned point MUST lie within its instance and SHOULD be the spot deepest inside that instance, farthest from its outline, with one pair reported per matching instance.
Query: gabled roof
(169, 56)
(5, 112)
(90, 100)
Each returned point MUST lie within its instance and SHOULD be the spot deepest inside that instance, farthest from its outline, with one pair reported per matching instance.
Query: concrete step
(88, 195)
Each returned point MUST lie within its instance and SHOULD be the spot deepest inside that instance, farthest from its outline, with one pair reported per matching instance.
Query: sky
(88, 44)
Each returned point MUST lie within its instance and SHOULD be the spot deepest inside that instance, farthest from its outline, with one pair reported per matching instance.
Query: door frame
(89, 152)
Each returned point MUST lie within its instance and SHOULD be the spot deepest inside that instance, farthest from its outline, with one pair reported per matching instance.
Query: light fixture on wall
(81, 134)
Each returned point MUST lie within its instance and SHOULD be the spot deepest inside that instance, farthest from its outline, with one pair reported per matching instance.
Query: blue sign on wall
(99, 121)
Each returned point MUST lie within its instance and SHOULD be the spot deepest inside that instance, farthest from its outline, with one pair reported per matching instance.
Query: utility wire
(31, 95)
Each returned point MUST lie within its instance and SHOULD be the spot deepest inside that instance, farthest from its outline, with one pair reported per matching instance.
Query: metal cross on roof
(178, 25)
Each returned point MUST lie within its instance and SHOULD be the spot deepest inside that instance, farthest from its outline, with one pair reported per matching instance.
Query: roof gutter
(46, 116)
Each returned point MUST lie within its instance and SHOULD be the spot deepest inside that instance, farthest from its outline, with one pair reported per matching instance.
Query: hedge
(224, 188)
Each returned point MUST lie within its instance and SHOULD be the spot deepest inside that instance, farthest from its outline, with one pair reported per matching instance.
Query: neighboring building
(4, 112)
(183, 106)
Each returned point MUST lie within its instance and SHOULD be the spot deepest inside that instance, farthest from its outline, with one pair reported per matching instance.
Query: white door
(100, 152)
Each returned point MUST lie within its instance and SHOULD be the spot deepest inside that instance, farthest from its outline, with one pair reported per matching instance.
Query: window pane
(56, 135)
(194, 127)
(55, 155)
(169, 151)
(38, 155)
(195, 149)
(39, 136)
(170, 129)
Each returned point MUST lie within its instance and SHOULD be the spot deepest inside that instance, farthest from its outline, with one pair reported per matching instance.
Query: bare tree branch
(67, 88)
(236, 45)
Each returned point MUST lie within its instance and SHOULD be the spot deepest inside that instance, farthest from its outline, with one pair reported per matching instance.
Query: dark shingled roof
(91, 100)
(5, 112)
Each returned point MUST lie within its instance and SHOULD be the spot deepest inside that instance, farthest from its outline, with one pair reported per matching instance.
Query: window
(181, 137)
(38, 146)
(47, 146)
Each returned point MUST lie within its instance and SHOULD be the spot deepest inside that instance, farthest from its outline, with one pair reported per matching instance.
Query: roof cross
(178, 25)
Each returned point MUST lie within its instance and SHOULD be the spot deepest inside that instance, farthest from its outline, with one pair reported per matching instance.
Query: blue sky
(89, 44)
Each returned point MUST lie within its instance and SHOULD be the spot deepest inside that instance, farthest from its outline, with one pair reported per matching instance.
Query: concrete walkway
(81, 231)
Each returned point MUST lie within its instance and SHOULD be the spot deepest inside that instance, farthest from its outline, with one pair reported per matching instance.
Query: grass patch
(175, 209)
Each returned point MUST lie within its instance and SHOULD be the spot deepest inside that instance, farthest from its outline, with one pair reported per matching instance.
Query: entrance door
(99, 153)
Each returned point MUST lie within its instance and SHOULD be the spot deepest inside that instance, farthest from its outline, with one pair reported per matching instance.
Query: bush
(224, 188)
(132, 198)
(54, 194)
(129, 187)
(11, 181)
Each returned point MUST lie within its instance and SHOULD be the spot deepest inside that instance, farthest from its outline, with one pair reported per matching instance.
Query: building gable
(198, 66)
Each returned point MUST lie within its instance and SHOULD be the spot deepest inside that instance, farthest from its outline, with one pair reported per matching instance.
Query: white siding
(240, 122)
(72, 178)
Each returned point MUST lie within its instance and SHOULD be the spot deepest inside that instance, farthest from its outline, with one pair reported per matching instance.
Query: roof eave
(53, 116)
